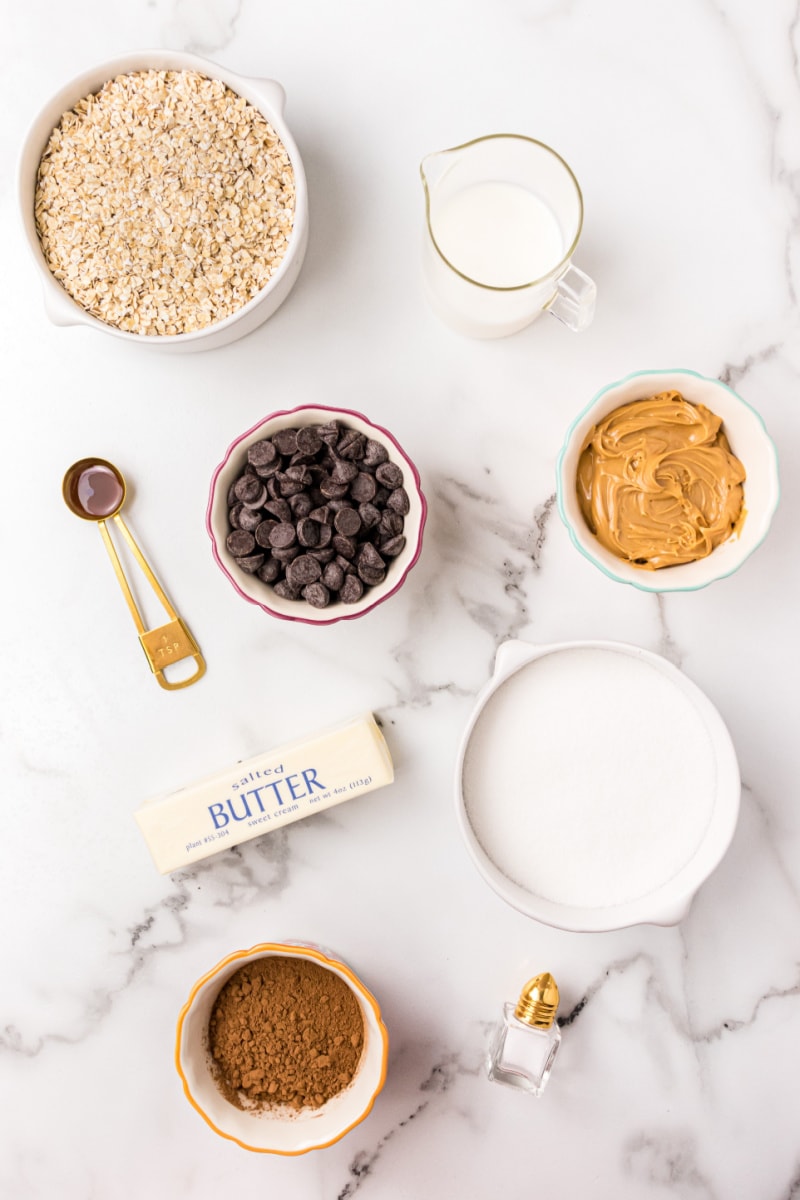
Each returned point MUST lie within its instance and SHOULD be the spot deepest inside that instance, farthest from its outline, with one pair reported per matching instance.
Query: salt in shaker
(527, 1039)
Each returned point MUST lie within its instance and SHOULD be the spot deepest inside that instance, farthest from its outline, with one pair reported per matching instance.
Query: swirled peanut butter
(657, 482)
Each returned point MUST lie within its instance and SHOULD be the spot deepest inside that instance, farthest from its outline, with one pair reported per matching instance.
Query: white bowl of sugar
(597, 787)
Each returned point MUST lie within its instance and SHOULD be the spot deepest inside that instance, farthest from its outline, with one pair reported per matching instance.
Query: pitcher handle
(574, 299)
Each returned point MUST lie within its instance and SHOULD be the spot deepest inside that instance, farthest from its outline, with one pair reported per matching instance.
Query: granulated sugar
(589, 779)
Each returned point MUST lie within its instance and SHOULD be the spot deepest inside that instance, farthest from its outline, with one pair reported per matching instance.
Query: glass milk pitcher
(504, 214)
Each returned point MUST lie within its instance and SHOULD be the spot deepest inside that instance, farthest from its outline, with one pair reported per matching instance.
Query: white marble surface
(678, 1075)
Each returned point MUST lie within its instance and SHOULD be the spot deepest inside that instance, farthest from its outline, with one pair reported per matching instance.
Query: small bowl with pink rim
(252, 588)
(275, 1131)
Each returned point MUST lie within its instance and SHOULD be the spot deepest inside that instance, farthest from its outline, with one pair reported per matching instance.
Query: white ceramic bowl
(264, 94)
(273, 1133)
(749, 441)
(250, 587)
(498, 740)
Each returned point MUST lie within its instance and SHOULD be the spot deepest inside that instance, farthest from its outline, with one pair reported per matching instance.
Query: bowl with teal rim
(749, 441)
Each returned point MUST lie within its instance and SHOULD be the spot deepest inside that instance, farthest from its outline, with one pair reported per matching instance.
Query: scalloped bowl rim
(353, 611)
(370, 1009)
(586, 543)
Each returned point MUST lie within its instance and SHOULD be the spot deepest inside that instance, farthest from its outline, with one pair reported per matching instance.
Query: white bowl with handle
(268, 97)
(553, 804)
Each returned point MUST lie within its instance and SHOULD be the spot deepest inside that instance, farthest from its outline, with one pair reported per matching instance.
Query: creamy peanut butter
(658, 484)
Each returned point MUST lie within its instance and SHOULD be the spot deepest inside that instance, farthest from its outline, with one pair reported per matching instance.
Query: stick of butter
(265, 793)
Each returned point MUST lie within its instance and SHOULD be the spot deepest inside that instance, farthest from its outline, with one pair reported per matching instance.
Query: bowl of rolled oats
(164, 201)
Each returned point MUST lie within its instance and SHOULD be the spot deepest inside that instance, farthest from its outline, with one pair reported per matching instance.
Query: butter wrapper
(265, 793)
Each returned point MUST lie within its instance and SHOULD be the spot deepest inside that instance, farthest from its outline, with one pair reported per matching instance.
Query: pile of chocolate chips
(318, 513)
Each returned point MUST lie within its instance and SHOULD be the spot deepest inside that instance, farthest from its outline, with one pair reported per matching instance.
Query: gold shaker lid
(538, 1001)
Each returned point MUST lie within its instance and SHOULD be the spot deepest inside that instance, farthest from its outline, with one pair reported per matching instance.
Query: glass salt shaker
(527, 1039)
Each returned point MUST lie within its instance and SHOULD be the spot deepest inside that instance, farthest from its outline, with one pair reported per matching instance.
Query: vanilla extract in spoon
(94, 490)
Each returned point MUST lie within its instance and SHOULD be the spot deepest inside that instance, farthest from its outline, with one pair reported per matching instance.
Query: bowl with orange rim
(277, 1128)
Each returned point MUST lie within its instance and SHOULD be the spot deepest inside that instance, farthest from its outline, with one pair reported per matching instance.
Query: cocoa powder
(285, 1031)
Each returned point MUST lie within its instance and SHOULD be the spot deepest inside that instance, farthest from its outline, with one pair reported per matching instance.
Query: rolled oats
(164, 202)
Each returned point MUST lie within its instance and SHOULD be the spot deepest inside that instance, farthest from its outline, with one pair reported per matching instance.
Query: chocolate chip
(369, 558)
(347, 522)
(323, 514)
(351, 444)
(345, 564)
(309, 439)
(352, 590)
(299, 473)
(398, 501)
(344, 546)
(270, 469)
(240, 543)
(370, 577)
(391, 524)
(323, 555)
(282, 535)
(325, 536)
(370, 515)
(263, 531)
(262, 454)
(363, 488)
(344, 472)
(270, 571)
(233, 514)
(333, 576)
(393, 546)
(390, 475)
(304, 569)
(330, 432)
(259, 499)
(250, 563)
(287, 486)
(317, 595)
(285, 554)
(247, 488)
(308, 532)
(280, 509)
(250, 518)
(301, 505)
(286, 591)
(286, 441)
(332, 490)
(232, 497)
(375, 453)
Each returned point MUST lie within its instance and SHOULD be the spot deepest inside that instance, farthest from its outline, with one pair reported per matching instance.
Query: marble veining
(438, 1082)
(678, 1069)
(204, 27)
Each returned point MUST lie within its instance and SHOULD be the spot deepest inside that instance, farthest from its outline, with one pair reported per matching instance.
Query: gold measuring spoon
(95, 491)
